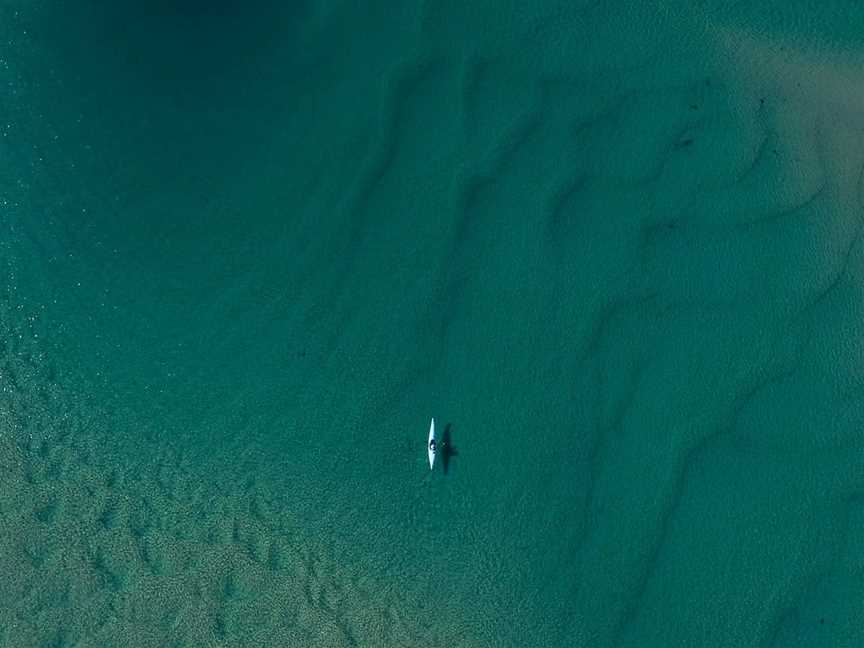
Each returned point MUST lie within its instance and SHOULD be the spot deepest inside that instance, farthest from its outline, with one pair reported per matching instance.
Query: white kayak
(430, 444)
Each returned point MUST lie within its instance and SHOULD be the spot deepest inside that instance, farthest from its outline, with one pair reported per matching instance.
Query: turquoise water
(246, 255)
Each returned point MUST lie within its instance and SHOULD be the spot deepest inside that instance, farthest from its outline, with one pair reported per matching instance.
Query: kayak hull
(429, 449)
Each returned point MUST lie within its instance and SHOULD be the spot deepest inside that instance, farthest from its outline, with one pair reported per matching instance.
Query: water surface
(246, 255)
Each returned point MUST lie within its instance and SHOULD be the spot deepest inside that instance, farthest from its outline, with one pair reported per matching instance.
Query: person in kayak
(432, 445)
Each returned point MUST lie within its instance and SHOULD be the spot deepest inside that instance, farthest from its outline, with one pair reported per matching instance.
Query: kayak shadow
(448, 450)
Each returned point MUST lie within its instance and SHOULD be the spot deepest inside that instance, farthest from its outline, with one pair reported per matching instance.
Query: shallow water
(247, 255)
